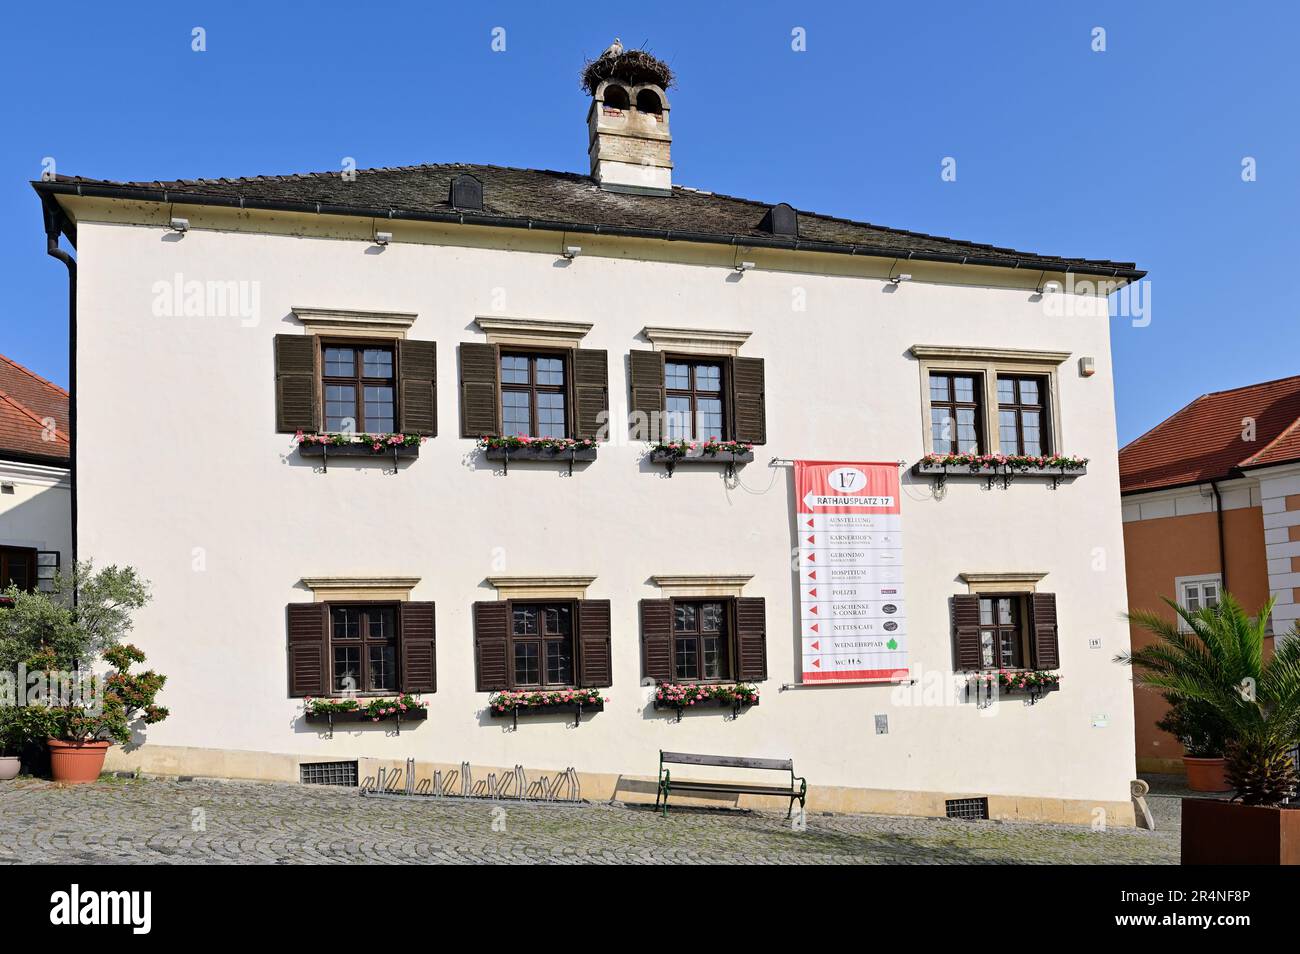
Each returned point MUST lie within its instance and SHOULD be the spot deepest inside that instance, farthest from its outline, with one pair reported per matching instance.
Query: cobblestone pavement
(162, 821)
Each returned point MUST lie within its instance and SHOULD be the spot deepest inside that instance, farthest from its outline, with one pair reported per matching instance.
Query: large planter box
(699, 457)
(544, 710)
(410, 715)
(539, 453)
(357, 450)
(1219, 832)
(942, 472)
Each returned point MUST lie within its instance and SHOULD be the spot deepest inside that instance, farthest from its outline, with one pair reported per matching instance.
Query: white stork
(615, 48)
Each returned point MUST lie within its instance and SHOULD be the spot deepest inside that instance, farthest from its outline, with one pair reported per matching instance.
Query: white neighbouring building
(219, 317)
(35, 484)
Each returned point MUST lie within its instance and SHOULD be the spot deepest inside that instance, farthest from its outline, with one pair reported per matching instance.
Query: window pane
(383, 668)
(377, 363)
(965, 388)
(939, 387)
(1210, 593)
(986, 612)
(1192, 597)
(550, 371)
(379, 409)
(1004, 612)
(559, 662)
(1006, 390)
(515, 417)
(340, 407)
(1010, 655)
(708, 377)
(712, 648)
(677, 420)
(688, 664)
(1028, 391)
(514, 369)
(1007, 432)
(525, 621)
(684, 622)
(710, 418)
(347, 668)
(677, 376)
(550, 415)
(1033, 435)
(986, 649)
(381, 623)
(346, 622)
(967, 435)
(526, 672)
(340, 363)
(941, 429)
(711, 617)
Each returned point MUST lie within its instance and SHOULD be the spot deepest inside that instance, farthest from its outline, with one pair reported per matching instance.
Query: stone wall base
(599, 787)
(1160, 766)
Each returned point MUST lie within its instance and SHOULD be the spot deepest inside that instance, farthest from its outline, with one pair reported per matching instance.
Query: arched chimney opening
(616, 97)
(648, 101)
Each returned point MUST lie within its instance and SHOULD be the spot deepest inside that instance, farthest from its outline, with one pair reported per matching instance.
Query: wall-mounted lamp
(1047, 287)
(180, 225)
(571, 252)
(744, 266)
(898, 279)
(1087, 367)
(383, 238)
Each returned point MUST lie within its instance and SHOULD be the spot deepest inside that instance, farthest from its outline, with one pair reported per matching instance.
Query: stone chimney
(627, 126)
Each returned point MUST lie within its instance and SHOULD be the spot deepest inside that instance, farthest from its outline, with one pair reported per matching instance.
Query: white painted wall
(179, 457)
(38, 513)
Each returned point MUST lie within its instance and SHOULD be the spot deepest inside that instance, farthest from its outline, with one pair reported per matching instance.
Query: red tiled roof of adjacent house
(27, 403)
(1205, 440)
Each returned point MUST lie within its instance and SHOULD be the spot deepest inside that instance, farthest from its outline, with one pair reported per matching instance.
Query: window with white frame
(1195, 593)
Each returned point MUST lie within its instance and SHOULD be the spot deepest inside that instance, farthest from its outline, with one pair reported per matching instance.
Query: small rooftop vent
(780, 220)
(466, 193)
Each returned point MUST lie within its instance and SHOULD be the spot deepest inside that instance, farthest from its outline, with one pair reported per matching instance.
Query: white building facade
(279, 575)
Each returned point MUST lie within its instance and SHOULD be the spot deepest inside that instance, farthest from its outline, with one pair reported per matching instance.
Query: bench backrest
(728, 761)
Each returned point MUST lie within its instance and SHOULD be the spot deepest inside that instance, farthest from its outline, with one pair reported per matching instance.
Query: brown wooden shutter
(751, 639)
(491, 667)
(657, 640)
(296, 406)
(748, 402)
(1043, 631)
(646, 373)
(308, 628)
(417, 377)
(966, 631)
(590, 393)
(480, 401)
(594, 667)
(419, 648)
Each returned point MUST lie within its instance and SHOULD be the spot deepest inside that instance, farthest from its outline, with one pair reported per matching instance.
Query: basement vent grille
(329, 773)
(968, 809)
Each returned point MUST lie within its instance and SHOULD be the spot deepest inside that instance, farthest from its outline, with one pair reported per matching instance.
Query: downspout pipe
(55, 224)
(1218, 516)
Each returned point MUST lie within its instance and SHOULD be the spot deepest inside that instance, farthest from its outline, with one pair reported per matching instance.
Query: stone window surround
(688, 585)
(1005, 582)
(353, 322)
(566, 586)
(989, 363)
(333, 589)
(535, 332)
(696, 340)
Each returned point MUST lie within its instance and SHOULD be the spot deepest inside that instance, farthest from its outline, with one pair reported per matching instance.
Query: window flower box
(509, 704)
(991, 467)
(1010, 682)
(673, 453)
(519, 447)
(403, 708)
(326, 446)
(682, 696)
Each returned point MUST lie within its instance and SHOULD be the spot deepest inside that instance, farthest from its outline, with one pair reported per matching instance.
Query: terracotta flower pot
(1205, 775)
(77, 762)
(9, 766)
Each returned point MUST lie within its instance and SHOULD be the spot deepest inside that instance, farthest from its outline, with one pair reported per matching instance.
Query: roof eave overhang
(91, 190)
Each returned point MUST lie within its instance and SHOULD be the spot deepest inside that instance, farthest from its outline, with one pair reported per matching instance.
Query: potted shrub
(10, 744)
(1201, 732)
(1219, 663)
(82, 737)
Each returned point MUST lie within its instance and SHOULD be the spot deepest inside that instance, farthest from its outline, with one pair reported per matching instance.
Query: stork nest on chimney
(631, 66)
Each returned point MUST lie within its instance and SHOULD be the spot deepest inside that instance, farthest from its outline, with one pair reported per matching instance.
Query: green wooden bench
(797, 790)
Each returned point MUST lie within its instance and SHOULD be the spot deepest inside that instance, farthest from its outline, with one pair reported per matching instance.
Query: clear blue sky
(1132, 154)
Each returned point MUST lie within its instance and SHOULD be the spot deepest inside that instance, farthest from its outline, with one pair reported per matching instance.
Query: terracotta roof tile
(1204, 441)
(27, 400)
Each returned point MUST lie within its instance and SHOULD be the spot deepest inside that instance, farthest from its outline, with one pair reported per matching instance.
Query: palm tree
(1218, 661)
